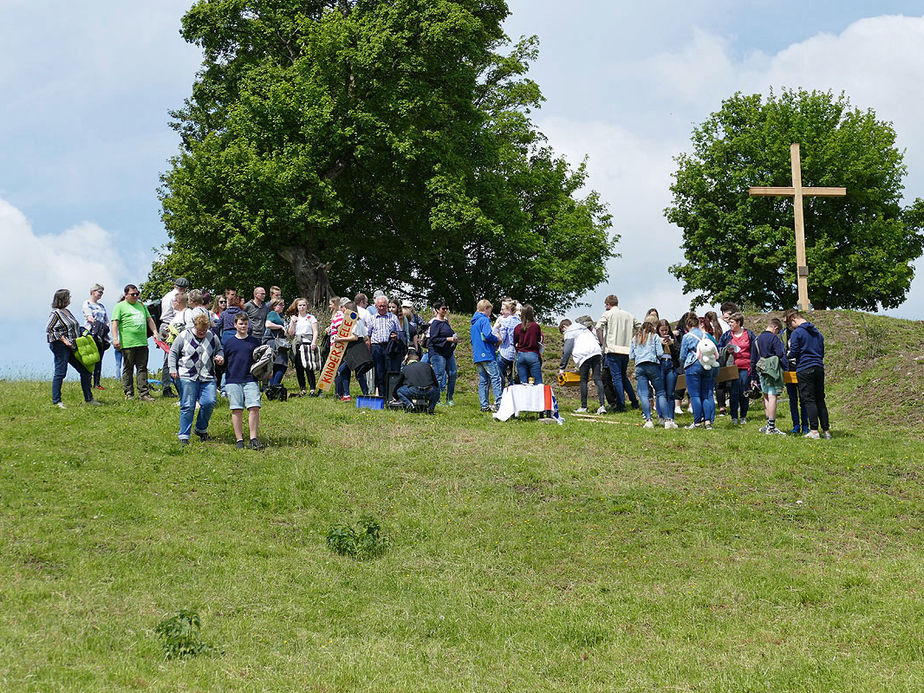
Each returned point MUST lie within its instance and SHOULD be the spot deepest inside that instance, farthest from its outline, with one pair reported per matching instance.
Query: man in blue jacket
(807, 350)
(483, 353)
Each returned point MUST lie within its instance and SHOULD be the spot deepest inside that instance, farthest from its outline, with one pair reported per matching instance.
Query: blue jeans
(190, 391)
(650, 373)
(669, 376)
(278, 372)
(406, 393)
(383, 364)
(739, 400)
(342, 380)
(529, 366)
(488, 375)
(618, 364)
(118, 360)
(446, 373)
(792, 391)
(700, 387)
(505, 368)
(63, 356)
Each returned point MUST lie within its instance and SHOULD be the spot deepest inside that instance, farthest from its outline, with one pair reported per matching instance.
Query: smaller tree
(860, 248)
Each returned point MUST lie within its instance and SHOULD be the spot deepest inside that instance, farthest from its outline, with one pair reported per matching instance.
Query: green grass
(522, 556)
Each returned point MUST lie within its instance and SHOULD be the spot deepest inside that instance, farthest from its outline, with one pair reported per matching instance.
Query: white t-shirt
(305, 325)
(359, 328)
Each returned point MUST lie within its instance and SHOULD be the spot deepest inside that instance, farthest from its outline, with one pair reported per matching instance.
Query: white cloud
(632, 173)
(878, 62)
(33, 267)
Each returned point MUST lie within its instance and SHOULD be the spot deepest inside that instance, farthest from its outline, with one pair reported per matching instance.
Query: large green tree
(361, 143)
(860, 248)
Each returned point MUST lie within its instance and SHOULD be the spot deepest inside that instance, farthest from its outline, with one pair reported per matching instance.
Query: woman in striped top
(61, 332)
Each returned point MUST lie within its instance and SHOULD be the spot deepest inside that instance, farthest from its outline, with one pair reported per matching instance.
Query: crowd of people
(222, 346)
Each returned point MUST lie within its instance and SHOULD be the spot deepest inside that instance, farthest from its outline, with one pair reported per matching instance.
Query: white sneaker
(678, 409)
(648, 424)
(581, 410)
(763, 429)
(601, 410)
(708, 425)
(775, 432)
(813, 435)
(669, 423)
(744, 420)
(693, 426)
(60, 405)
(689, 409)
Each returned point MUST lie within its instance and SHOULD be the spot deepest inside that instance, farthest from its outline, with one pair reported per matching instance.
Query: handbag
(308, 357)
(86, 351)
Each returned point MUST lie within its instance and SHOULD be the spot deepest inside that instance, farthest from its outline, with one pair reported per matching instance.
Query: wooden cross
(797, 192)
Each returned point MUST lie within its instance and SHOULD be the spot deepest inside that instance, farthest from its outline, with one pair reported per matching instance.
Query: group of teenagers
(224, 345)
(697, 347)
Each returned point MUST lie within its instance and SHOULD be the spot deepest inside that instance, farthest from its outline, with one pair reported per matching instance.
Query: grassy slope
(525, 556)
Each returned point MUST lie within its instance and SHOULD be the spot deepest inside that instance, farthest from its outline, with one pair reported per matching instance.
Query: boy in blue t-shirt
(240, 386)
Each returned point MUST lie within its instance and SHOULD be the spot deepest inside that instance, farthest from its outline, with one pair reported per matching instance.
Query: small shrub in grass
(180, 635)
(362, 543)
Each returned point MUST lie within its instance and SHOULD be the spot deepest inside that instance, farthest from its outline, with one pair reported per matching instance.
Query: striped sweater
(61, 323)
(194, 359)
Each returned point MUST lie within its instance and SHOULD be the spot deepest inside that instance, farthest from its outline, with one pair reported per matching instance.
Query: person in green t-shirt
(130, 323)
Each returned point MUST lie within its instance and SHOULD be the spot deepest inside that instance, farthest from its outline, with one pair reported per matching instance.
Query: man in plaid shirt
(384, 327)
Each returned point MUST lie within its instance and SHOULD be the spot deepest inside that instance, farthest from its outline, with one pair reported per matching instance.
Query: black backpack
(277, 392)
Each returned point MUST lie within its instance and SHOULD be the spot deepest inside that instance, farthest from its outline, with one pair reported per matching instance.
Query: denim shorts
(242, 395)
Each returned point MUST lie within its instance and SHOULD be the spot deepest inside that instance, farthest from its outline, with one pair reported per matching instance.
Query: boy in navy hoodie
(769, 345)
(807, 350)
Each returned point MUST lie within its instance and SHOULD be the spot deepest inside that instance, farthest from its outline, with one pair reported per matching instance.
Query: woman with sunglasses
(218, 307)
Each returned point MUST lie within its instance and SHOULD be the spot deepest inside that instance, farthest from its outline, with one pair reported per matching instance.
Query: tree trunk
(311, 275)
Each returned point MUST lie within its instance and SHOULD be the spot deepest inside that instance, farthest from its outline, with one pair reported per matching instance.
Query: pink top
(743, 352)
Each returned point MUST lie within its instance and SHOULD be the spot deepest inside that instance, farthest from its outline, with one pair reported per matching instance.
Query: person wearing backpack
(698, 354)
(771, 363)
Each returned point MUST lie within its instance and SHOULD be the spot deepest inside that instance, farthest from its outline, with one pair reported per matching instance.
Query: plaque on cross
(797, 192)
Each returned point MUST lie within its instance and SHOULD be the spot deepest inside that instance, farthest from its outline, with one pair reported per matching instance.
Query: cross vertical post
(801, 261)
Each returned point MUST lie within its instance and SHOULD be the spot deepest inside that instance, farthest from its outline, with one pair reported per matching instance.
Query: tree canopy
(860, 248)
(372, 144)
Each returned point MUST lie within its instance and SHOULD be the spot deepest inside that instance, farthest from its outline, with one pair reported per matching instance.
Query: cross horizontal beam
(814, 192)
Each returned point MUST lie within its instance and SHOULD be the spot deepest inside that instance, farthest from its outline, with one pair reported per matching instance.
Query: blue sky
(85, 89)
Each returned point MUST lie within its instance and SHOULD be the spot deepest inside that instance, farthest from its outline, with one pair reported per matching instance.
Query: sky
(86, 88)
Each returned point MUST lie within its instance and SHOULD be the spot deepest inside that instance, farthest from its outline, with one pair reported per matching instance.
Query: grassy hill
(587, 556)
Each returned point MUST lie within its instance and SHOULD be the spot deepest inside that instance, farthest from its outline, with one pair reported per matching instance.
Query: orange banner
(337, 350)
